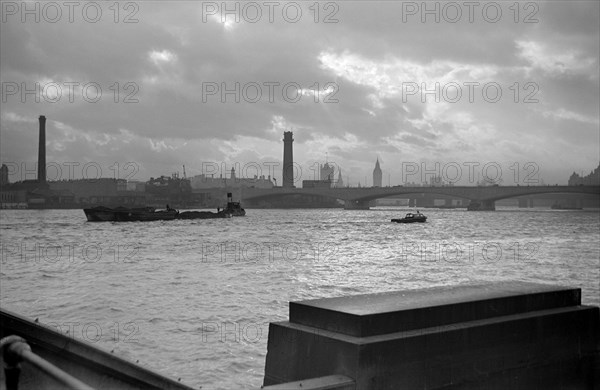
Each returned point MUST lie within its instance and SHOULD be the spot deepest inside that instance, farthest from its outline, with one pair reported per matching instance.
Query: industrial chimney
(42, 151)
(288, 160)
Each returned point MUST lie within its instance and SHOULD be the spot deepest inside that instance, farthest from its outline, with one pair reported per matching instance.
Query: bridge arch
(524, 193)
(416, 192)
(275, 195)
(362, 196)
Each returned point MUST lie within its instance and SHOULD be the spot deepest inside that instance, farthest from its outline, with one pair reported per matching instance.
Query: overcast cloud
(368, 64)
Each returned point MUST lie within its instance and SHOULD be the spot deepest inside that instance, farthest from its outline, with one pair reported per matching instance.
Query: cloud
(556, 60)
(350, 75)
(567, 115)
(160, 57)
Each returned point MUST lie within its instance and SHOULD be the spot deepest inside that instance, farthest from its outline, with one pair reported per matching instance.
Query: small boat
(411, 217)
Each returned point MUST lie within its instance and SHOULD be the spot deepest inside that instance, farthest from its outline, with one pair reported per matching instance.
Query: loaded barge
(124, 214)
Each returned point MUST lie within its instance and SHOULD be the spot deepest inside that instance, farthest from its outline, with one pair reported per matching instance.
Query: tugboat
(411, 217)
(234, 208)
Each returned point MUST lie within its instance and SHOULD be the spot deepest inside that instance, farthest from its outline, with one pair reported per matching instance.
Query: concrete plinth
(495, 335)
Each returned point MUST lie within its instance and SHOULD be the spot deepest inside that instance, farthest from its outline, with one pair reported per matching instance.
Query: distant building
(340, 182)
(138, 186)
(206, 182)
(377, 175)
(327, 172)
(3, 175)
(593, 179)
(436, 181)
(16, 199)
(316, 183)
(68, 193)
(89, 191)
(173, 190)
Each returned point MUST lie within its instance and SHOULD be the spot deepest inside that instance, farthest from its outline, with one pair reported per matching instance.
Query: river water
(193, 299)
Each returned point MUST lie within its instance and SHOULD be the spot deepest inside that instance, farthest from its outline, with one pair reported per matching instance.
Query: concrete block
(515, 335)
(331, 382)
(373, 314)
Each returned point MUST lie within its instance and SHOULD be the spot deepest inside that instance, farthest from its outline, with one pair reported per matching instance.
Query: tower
(42, 151)
(3, 175)
(377, 175)
(288, 160)
(340, 181)
(326, 172)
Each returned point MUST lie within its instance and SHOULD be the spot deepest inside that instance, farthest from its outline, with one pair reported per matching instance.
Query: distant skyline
(515, 87)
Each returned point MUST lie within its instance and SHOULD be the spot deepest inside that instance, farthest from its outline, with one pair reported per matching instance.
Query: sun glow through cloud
(364, 83)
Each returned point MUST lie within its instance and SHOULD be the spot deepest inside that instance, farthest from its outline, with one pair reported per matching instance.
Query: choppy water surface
(193, 299)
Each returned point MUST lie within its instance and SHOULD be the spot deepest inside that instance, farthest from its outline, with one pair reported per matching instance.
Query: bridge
(481, 198)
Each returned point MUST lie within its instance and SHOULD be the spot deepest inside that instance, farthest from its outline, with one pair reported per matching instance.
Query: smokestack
(42, 151)
(288, 160)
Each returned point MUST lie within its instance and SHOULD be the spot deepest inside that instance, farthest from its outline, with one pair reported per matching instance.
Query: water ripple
(193, 299)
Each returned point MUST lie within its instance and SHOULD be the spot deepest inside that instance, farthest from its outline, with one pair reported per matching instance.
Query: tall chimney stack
(288, 160)
(42, 151)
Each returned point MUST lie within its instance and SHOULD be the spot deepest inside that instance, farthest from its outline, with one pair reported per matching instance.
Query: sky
(464, 90)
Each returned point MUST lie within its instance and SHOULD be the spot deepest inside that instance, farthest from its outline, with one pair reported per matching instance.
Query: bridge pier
(425, 202)
(523, 203)
(356, 205)
(482, 205)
